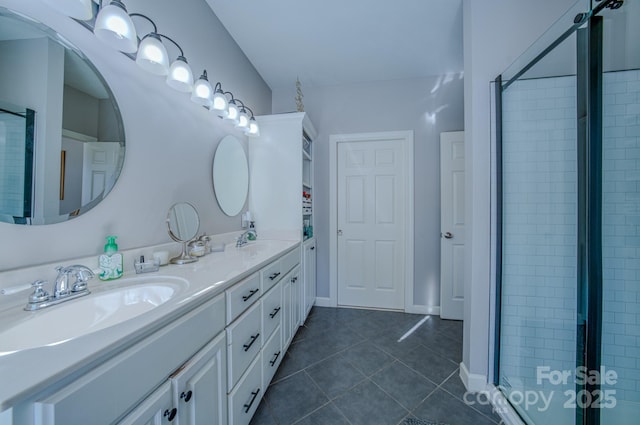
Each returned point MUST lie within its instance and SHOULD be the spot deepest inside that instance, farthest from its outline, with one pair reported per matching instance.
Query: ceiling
(338, 42)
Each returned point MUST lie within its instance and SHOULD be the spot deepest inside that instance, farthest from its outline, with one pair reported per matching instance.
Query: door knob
(448, 235)
(339, 232)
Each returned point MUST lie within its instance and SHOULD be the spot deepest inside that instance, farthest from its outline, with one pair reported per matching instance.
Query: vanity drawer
(244, 340)
(244, 400)
(272, 355)
(242, 295)
(290, 260)
(271, 275)
(271, 310)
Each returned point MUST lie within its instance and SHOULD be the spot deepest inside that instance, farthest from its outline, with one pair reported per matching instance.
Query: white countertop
(24, 373)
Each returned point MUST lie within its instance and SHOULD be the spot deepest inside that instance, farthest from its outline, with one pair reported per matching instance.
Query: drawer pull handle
(274, 313)
(275, 359)
(186, 396)
(253, 339)
(254, 394)
(273, 276)
(170, 414)
(251, 294)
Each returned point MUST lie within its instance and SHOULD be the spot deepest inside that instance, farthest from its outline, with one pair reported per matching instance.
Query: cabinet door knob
(186, 396)
(312, 248)
(170, 414)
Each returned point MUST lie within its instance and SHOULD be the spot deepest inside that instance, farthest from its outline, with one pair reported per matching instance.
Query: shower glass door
(539, 299)
(568, 178)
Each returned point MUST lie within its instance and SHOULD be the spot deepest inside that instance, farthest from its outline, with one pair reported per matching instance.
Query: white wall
(170, 141)
(496, 32)
(428, 107)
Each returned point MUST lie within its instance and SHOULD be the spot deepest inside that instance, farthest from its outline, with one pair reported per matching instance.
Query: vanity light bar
(114, 26)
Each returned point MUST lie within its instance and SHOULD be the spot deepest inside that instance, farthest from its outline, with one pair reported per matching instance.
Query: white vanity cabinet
(309, 272)
(199, 388)
(109, 391)
(291, 293)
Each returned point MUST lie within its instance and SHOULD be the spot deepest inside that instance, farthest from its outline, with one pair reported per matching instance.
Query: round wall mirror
(61, 133)
(183, 224)
(230, 175)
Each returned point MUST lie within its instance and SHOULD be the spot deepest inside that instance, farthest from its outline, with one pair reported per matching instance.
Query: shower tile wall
(12, 156)
(539, 222)
(621, 231)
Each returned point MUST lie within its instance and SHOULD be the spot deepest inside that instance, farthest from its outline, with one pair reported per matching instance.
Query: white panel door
(371, 223)
(452, 225)
(98, 169)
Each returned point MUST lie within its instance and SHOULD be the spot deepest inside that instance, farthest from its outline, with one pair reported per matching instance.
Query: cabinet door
(157, 409)
(296, 299)
(309, 278)
(287, 314)
(199, 387)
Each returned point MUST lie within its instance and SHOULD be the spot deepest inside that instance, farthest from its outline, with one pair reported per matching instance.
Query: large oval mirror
(230, 175)
(61, 133)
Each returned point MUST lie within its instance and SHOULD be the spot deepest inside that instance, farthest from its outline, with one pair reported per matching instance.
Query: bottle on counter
(111, 261)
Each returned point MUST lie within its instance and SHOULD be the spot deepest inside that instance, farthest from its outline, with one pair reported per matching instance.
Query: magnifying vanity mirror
(183, 224)
(61, 133)
(230, 175)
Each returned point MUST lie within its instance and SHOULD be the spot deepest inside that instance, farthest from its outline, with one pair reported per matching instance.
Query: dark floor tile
(262, 415)
(335, 375)
(479, 401)
(288, 366)
(404, 385)
(445, 346)
(293, 398)
(443, 407)
(367, 358)
(396, 322)
(366, 404)
(428, 363)
(394, 345)
(326, 415)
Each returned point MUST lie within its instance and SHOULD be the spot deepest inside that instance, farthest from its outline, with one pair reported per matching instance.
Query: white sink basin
(74, 318)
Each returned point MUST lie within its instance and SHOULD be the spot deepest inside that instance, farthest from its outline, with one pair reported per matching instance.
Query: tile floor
(352, 367)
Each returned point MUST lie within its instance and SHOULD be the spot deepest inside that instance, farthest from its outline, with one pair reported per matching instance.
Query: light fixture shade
(233, 112)
(243, 119)
(152, 55)
(115, 27)
(220, 103)
(202, 91)
(254, 129)
(180, 76)
(78, 9)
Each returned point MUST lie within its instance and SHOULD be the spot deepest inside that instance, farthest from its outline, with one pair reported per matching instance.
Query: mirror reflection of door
(42, 179)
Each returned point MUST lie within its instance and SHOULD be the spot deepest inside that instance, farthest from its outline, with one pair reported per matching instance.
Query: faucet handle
(39, 295)
(82, 274)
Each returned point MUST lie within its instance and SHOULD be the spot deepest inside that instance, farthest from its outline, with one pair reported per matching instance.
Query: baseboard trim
(325, 302)
(502, 407)
(424, 309)
(473, 382)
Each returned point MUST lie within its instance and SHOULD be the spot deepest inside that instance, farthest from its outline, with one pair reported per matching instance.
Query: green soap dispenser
(110, 261)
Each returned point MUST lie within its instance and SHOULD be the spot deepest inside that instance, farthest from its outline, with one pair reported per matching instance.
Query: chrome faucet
(63, 289)
(242, 239)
